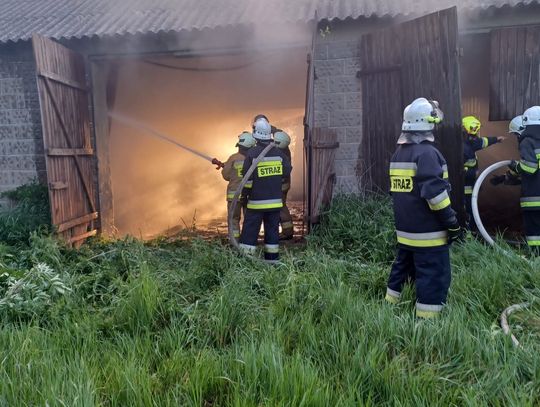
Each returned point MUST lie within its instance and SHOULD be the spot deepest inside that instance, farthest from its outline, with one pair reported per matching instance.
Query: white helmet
(531, 116)
(516, 125)
(282, 140)
(262, 130)
(246, 140)
(422, 115)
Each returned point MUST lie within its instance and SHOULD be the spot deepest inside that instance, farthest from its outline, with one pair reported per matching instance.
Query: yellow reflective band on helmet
(434, 239)
(485, 142)
(528, 166)
(469, 190)
(268, 204)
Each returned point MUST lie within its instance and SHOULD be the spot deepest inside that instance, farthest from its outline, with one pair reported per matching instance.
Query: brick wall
(338, 105)
(21, 146)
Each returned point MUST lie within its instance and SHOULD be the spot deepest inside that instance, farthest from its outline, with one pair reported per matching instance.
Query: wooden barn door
(515, 71)
(320, 146)
(415, 59)
(64, 103)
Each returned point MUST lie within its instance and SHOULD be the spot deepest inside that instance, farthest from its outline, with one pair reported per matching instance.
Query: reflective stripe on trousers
(427, 310)
(530, 202)
(433, 239)
(265, 204)
(469, 190)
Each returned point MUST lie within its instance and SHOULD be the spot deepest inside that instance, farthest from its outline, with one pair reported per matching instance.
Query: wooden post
(100, 72)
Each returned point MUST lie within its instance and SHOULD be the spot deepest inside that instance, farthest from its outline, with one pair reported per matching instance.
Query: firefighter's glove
(456, 234)
(498, 180)
(514, 166)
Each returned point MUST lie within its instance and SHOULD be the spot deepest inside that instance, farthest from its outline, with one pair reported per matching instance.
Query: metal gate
(418, 58)
(64, 104)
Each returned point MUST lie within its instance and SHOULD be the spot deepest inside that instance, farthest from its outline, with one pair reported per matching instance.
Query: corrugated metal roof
(85, 18)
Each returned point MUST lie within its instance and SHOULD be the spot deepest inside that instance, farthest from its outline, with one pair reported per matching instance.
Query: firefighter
(232, 172)
(283, 141)
(528, 168)
(472, 144)
(511, 178)
(265, 198)
(425, 222)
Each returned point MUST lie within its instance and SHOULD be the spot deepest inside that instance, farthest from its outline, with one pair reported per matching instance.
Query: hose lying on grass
(510, 310)
(238, 194)
(504, 321)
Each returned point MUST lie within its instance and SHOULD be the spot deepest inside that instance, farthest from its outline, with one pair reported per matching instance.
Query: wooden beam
(58, 185)
(64, 81)
(76, 222)
(102, 96)
(84, 236)
(326, 146)
(64, 152)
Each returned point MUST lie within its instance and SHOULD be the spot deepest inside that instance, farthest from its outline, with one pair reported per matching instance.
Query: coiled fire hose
(476, 193)
(476, 213)
(238, 193)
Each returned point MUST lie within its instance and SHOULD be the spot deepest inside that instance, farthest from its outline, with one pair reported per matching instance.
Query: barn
(334, 74)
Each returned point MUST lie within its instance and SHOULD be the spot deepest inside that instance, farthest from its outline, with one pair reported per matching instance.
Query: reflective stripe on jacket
(420, 193)
(266, 192)
(529, 168)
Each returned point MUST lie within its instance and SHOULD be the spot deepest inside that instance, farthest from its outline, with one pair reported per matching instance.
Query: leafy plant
(31, 294)
(31, 213)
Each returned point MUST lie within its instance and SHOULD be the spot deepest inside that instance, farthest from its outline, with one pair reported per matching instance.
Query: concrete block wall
(21, 145)
(338, 105)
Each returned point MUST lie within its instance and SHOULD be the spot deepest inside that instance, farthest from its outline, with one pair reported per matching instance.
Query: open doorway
(204, 103)
(499, 206)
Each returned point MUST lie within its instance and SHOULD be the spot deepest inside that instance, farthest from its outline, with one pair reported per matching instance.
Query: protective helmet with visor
(471, 125)
(262, 130)
(422, 115)
(246, 140)
(282, 140)
(531, 117)
(516, 125)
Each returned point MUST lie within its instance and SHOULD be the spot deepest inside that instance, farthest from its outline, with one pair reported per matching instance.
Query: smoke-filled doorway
(204, 103)
(499, 206)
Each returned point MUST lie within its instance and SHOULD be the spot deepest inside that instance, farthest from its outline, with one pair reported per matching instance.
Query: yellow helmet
(471, 125)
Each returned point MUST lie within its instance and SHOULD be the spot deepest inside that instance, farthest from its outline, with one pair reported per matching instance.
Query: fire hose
(476, 213)
(238, 193)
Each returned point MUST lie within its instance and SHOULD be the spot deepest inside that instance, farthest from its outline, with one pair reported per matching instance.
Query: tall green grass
(194, 324)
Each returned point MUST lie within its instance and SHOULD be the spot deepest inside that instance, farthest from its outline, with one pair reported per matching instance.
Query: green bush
(31, 213)
(358, 227)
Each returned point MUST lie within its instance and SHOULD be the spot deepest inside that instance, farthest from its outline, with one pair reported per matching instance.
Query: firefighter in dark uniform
(283, 141)
(425, 222)
(232, 172)
(265, 197)
(528, 168)
(473, 143)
